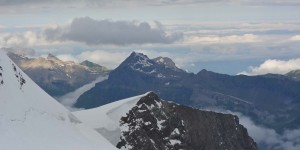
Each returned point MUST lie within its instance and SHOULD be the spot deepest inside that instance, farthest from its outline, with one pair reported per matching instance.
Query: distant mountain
(32, 120)
(146, 122)
(270, 100)
(58, 77)
(94, 67)
(295, 74)
(135, 75)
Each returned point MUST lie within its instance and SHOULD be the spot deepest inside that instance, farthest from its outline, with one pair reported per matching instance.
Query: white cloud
(267, 137)
(270, 2)
(295, 38)
(229, 39)
(95, 32)
(289, 140)
(20, 51)
(97, 3)
(105, 58)
(67, 57)
(274, 66)
(23, 39)
(109, 59)
(69, 99)
(85, 30)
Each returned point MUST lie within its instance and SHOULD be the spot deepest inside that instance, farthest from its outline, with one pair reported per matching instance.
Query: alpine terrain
(32, 120)
(270, 100)
(146, 122)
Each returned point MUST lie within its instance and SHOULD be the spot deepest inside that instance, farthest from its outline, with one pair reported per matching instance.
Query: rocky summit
(157, 124)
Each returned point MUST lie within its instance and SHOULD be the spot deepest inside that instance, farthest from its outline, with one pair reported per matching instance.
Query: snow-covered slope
(106, 118)
(32, 120)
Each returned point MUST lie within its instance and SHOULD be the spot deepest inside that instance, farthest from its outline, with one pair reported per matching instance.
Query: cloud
(109, 59)
(105, 58)
(98, 3)
(269, 138)
(69, 99)
(215, 39)
(37, 6)
(23, 39)
(20, 51)
(270, 2)
(67, 57)
(94, 32)
(295, 38)
(274, 66)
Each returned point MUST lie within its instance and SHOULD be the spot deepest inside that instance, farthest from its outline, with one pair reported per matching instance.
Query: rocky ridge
(157, 124)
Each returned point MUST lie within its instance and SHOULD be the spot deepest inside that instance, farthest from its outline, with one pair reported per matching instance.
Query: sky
(250, 37)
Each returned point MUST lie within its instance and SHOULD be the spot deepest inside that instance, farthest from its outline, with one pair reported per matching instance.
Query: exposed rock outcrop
(157, 124)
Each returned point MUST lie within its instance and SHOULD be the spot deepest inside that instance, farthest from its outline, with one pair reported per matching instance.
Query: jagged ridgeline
(157, 124)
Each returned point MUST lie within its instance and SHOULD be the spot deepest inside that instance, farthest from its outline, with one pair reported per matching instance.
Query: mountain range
(30, 119)
(58, 77)
(270, 100)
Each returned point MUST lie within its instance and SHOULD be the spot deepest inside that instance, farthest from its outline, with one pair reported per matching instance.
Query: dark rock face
(157, 124)
(55, 76)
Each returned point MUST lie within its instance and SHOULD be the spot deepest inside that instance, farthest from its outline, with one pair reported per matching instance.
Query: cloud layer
(69, 99)
(295, 38)
(146, 2)
(269, 138)
(20, 51)
(94, 32)
(274, 66)
(108, 59)
(214, 39)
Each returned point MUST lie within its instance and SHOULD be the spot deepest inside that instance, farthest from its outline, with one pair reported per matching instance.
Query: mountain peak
(139, 61)
(136, 54)
(138, 58)
(166, 61)
(52, 57)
